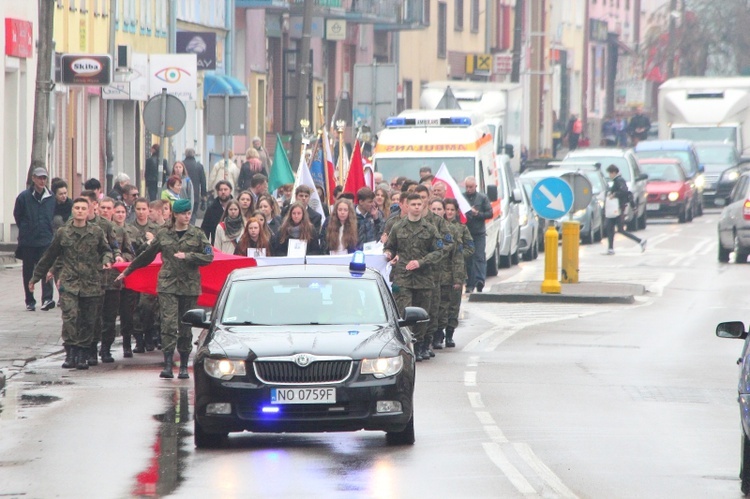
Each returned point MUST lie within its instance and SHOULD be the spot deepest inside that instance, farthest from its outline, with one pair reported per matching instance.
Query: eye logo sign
(171, 74)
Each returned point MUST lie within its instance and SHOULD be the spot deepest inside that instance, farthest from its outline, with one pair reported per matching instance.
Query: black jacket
(151, 175)
(315, 218)
(475, 223)
(281, 249)
(197, 174)
(620, 190)
(34, 218)
(211, 218)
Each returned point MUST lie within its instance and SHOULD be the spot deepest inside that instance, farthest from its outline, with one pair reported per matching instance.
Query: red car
(670, 192)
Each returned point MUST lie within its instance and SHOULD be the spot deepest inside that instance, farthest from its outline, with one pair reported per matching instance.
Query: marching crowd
(75, 243)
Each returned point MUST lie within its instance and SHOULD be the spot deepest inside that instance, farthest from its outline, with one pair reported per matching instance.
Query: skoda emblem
(302, 360)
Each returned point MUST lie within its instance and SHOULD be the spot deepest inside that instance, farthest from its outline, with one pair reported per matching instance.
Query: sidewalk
(24, 336)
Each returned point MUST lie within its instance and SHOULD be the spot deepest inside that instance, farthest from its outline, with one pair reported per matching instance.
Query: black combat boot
(437, 339)
(82, 355)
(149, 339)
(417, 352)
(449, 343)
(184, 356)
(139, 343)
(168, 366)
(423, 348)
(106, 354)
(93, 359)
(70, 358)
(127, 351)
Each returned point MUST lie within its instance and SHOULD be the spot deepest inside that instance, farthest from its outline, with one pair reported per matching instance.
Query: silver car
(529, 228)
(734, 223)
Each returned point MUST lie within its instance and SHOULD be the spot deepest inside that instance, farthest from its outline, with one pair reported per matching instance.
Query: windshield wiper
(244, 323)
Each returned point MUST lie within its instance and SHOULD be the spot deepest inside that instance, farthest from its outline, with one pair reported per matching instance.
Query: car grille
(287, 372)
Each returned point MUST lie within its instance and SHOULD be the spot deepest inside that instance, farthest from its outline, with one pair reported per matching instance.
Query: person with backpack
(615, 217)
(573, 132)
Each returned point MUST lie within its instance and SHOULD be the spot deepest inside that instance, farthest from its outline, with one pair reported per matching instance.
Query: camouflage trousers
(173, 331)
(434, 312)
(147, 314)
(79, 318)
(450, 305)
(410, 297)
(128, 302)
(110, 309)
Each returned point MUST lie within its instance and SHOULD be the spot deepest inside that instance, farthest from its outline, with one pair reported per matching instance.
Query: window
(458, 24)
(474, 16)
(426, 12)
(84, 9)
(442, 50)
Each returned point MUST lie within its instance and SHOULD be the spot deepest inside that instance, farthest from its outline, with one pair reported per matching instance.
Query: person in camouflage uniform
(140, 231)
(81, 250)
(442, 228)
(109, 233)
(184, 248)
(414, 247)
(450, 294)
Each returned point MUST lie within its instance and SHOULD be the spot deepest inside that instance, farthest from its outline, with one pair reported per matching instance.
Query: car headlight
(731, 175)
(382, 367)
(579, 213)
(524, 219)
(224, 368)
(673, 196)
(700, 181)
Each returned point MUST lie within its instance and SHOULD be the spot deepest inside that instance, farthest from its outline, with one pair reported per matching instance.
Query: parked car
(304, 348)
(734, 223)
(722, 163)
(737, 330)
(591, 218)
(625, 160)
(685, 152)
(527, 184)
(509, 237)
(529, 228)
(670, 192)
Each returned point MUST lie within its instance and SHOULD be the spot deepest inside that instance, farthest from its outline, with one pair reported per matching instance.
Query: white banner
(178, 73)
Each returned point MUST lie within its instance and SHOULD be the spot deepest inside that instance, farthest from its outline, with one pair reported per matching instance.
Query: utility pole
(304, 68)
(672, 45)
(44, 85)
(110, 124)
(515, 72)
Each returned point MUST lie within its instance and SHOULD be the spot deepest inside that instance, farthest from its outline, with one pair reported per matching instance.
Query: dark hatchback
(304, 348)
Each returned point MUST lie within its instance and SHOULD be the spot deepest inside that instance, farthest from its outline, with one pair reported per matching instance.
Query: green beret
(181, 206)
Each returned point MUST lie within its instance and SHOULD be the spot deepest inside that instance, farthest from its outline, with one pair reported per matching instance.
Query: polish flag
(355, 180)
(330, 171)
(452, 191)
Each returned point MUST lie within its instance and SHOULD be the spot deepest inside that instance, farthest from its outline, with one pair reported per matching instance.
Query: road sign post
(552, 198)
(164, 115)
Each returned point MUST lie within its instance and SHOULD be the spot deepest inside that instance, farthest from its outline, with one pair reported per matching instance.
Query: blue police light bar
(270, 409)
(358, 264)
(397, 121)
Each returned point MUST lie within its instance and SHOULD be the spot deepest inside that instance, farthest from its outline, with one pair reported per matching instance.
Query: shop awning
(219, 84)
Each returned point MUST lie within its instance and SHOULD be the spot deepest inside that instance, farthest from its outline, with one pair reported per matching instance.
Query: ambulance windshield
(459, 168)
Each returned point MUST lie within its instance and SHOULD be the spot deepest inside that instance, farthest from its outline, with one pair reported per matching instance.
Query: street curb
(550, 298)
(2, 381)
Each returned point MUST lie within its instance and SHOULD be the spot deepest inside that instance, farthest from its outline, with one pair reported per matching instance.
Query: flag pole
(304, 123)
(325, 160)
(340, 124)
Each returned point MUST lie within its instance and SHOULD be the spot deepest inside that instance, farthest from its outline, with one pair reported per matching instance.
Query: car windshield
(722, 155)
(597, 185)
(683, 156)
(459, 168)
(605, 161)
(304, 300)
(698, 134)
(662, 172)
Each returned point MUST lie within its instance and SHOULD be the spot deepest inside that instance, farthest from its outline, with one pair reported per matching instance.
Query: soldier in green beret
(81, 251)
(184, 248)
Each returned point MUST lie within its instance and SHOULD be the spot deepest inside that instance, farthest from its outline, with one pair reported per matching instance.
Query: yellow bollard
(550, 283)
(571, 237)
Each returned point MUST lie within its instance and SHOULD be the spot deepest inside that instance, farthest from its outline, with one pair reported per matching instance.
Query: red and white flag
(330, 171)
(452, 191)
(355, 180)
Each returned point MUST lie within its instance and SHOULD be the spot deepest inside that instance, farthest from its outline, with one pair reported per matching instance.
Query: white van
(418, 138)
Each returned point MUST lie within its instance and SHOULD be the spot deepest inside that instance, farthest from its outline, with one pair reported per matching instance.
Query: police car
(304, 348)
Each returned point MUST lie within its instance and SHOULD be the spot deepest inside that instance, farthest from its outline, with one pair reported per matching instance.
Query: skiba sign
(86, 69)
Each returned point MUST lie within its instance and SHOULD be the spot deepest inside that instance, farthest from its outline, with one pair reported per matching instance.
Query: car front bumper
(665, 208)
(354, 409)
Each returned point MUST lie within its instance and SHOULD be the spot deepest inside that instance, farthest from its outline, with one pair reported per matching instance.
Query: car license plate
(303, 395)
(652, 206)
(719, 202)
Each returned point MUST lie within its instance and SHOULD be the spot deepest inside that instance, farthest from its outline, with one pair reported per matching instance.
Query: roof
(597, 151)
(664, 145)
(659, 161)
(285, 271)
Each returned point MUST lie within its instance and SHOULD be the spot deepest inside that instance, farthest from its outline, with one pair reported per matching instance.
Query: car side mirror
(701, 168)
(643, 176)
(492, 193)
(412, 316)
(196, 318)
(509, 150)
(516, 194)
(733, 329)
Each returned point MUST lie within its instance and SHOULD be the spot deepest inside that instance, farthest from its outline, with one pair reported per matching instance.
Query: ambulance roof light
(398, 121)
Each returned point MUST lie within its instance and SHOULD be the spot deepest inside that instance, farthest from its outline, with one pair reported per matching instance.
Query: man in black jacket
(639, 126)
(302, 195)
(197, 175)
(215, 209)
(481, 210)
(33, 212)
(620, 191)
(151, 175)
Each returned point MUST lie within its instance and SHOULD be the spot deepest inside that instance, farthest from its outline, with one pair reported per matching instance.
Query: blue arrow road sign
(552, 198)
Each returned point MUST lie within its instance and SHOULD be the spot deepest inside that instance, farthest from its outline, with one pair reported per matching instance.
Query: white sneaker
(643, 245)
(610, 252)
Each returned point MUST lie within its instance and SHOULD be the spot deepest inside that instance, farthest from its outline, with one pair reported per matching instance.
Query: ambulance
(419, 138)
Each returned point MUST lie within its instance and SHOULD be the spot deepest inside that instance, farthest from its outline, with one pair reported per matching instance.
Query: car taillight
(746, 210)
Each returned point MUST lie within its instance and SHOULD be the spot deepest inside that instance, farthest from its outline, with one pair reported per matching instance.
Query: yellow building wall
(418, 49)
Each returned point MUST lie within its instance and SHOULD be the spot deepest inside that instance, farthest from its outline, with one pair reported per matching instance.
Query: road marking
(470, 378)
(473, 361)
(496, 434)
(475, 399)
(485, 418)
(497, 456)
(543, 471)
(692, 252)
